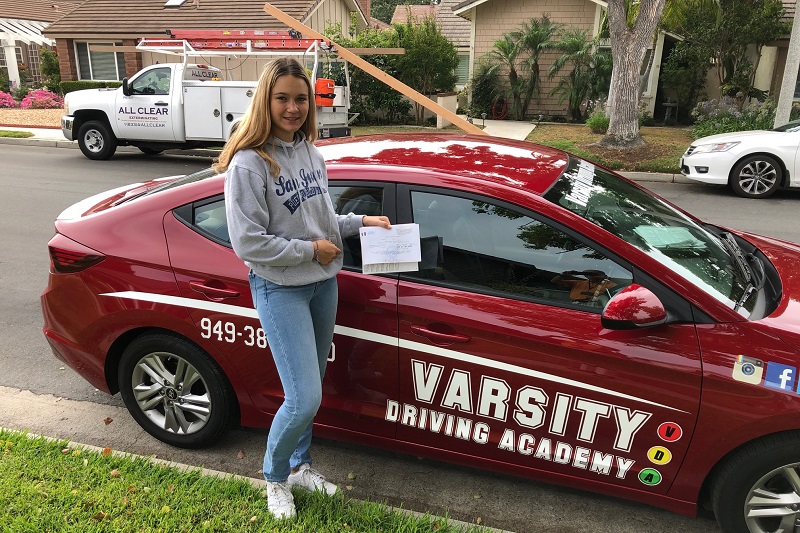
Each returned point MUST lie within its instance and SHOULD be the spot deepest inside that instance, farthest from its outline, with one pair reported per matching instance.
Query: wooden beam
(391, 81)
(377, 51)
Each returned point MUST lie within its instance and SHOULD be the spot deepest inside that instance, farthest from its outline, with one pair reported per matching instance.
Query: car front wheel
(175, 391)
(96, 140)
(758, 489)
(757, 176)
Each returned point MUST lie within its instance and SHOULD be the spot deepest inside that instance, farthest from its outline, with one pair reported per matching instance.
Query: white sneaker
(280, 501)
(309, 479)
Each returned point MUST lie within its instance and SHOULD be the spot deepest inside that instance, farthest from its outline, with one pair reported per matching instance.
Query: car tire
(175, 391)
(149, 151)
(96, 140)
(758, 489)
(756, 176)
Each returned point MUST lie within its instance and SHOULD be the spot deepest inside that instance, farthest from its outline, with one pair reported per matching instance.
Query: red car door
(214, 285)
(502, 361)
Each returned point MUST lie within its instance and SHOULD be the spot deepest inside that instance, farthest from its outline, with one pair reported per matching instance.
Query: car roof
(507, 162)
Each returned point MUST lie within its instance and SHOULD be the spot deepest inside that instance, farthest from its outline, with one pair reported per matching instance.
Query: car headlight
(716, 147)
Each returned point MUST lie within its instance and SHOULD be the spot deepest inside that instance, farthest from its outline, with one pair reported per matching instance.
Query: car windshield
(789, 126)
(657, 229)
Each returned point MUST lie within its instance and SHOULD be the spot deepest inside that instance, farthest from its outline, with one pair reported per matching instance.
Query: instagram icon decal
(748, 369)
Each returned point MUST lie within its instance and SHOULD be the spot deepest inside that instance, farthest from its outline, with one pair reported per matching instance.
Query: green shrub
(725, 116)
(598, 121)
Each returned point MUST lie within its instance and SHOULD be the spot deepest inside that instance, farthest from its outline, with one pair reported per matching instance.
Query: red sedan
(563, 324)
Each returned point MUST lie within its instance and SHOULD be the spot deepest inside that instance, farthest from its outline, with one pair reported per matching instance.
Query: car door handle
(161, 103)
(437, 336)
(213, 292)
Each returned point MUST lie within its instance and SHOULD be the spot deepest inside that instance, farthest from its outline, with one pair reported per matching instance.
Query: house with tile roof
(490, 19)
(97, 40)
(21, 26)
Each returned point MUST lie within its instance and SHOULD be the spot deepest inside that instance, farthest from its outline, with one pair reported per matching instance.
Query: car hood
(738, 136)
(785, 256)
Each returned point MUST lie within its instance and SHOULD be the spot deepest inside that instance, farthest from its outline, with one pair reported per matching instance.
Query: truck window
(154, 81)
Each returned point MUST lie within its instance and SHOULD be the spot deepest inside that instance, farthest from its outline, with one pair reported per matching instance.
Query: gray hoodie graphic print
(273, 220)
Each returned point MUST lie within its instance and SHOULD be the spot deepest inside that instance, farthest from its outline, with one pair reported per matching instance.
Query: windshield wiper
(738, 255)
(759, 275)
(747, 292)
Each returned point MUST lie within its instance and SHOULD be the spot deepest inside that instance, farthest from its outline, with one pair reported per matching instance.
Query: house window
(462, 70)
(96, 65)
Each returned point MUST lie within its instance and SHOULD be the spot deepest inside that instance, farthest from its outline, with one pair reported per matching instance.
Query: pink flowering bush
(42, 99)
(6, 100)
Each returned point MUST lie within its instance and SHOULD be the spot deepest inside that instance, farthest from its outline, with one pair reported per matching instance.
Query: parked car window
(207, 217)
(154, 81)
(362, 200)
(480, 245)
(657, 229)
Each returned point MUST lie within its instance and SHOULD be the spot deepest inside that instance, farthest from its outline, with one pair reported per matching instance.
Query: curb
(63, 143)
(254, 482)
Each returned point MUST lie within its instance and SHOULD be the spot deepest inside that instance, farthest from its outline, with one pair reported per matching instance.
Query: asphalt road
(37, 183)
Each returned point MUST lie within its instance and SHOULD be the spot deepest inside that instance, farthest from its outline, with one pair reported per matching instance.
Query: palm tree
(578, 50)
(505, 52)
(532, 39)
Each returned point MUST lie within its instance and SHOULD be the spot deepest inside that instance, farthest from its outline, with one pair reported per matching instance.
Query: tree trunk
(628, 46)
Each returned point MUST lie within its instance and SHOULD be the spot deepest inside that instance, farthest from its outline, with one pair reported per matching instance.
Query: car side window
(481, 246)
(206, 217)
(154, 81)
(361, 200)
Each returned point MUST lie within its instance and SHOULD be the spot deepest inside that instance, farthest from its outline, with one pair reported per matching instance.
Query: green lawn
(50, 486)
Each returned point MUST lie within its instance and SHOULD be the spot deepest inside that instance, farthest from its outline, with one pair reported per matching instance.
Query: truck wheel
(96, 141)
(758, 489)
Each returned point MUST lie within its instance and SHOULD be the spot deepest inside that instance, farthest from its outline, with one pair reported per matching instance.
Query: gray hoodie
(273, 220)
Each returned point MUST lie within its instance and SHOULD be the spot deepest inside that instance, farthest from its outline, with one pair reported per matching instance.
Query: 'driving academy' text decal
(526, 412)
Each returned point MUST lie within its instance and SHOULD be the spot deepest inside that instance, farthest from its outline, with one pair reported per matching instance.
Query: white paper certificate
(390, 250)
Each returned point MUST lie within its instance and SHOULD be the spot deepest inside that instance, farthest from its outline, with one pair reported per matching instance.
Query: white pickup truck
(172, 105)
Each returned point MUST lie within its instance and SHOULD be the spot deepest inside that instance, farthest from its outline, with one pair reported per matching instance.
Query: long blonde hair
(256, 124)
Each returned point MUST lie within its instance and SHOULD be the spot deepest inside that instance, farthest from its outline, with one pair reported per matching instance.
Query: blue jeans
(298, 322)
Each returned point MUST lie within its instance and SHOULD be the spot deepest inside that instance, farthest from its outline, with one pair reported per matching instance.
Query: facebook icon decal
(780, 376)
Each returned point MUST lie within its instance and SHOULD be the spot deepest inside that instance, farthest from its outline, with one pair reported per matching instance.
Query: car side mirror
(633, 307)
(125, 89)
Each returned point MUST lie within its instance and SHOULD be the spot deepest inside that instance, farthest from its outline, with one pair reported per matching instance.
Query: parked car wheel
(758, 489)
(175, 391)
(757, 176)
(96, 140)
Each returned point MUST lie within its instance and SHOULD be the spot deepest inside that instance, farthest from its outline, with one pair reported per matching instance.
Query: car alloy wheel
(758, 489)
(175, 391)
(756, 176)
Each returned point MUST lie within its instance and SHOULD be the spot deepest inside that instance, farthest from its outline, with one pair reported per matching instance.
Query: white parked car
(753, 163)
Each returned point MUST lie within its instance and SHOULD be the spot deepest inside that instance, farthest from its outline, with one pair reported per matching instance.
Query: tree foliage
(730, 34)
(535, 37)
(429, 62)
(384, 9)
(51, 72)
(368, 95)
(580, 83)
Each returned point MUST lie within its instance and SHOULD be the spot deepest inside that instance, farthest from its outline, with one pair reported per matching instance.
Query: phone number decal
(227, 331)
